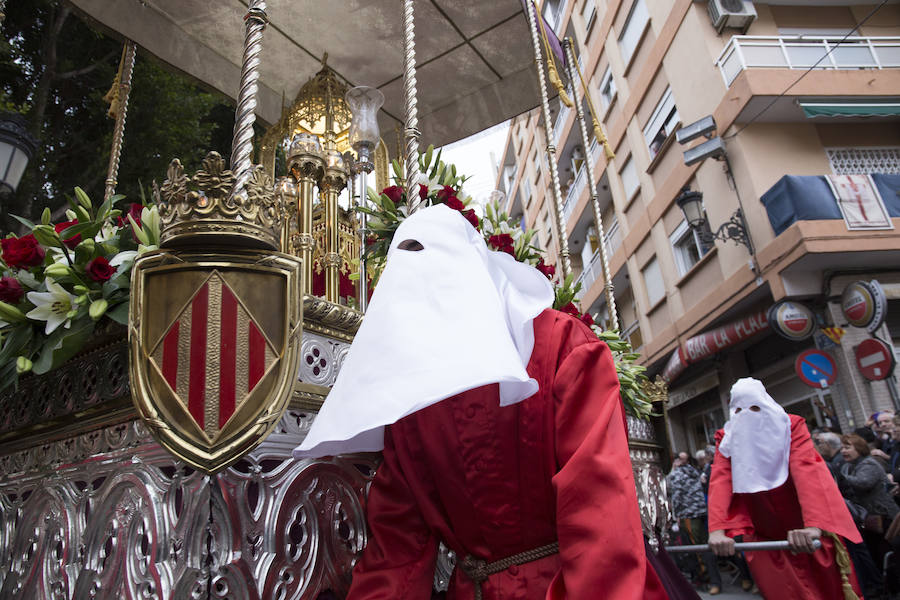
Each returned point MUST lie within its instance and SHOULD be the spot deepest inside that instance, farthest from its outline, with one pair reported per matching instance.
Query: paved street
(731, 592)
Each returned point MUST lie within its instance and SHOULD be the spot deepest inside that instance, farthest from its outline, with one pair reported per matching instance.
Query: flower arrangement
(440, 183)
(61, 281)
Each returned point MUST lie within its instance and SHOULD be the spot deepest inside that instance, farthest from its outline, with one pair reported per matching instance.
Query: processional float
(190, 491)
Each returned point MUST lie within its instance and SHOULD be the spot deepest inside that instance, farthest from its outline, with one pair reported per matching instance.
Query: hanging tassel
(601, 137)
(112, 97)
(842, 558)
(552, 72)
(558, 84)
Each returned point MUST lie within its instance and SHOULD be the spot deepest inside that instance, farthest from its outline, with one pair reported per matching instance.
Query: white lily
(126, 257)
(52, 306)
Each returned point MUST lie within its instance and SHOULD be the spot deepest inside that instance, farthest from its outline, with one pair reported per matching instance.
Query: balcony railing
(573, 194)
(612, 239)
(589, 275)
(559, 122)
(802, 52)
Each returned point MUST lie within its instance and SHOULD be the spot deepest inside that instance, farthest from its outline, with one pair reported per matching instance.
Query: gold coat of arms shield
(214, 346)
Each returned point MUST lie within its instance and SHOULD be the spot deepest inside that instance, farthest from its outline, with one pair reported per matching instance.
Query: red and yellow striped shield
(214, 350)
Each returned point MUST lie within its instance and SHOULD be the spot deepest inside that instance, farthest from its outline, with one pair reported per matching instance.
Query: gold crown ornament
(202, 210)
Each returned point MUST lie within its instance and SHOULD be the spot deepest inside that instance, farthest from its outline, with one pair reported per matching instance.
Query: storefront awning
(850, 109)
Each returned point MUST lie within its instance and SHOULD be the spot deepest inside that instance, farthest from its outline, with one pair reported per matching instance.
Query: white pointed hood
(448, 318)
(757, 441)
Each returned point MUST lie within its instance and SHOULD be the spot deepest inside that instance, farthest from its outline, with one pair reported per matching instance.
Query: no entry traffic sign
(815, 367)
(874, 359)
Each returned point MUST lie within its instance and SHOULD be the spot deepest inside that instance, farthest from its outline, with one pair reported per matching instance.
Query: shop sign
(874, 359)
(792, 320)
(816, 368)
(864, 305)
(693, 389)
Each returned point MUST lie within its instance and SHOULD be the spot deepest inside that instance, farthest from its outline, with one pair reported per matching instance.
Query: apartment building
(798, 90)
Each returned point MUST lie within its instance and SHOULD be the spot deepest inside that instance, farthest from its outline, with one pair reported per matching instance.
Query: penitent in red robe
(809, 498)
(493, 482)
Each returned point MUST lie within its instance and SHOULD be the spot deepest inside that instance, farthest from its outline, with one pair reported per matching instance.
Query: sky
(472, 156)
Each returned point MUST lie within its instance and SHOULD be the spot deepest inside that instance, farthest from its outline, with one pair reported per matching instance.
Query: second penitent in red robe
(809, 498)
(495, 481)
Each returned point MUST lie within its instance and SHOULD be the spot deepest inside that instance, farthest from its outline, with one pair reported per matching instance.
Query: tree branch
(85, 70)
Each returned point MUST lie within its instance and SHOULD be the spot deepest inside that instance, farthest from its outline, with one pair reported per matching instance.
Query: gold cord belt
(479, 570)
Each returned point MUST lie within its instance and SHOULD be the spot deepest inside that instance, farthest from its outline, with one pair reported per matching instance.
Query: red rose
(134, 209)
(471, 217)
(500, 240)
(72, 241)
(394, 192)
(11, 290)
(570, 309)
(99, 269)
(371, 239)
(445, 193)
(22, 252)
(587, 319)
(548, 270)
(453, 202)
(423, 191)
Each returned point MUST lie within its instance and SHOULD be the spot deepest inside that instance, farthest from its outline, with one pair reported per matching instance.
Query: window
(550, 10)
(632, 334)
(607, 89)
(653, 281)
(630, 179)
(589, 12)
(687, 247)
(525, 189)
(662, 122)
(633, 29)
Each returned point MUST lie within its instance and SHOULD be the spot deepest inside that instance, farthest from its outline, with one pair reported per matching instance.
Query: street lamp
(364, 103)
(17, 146)
(735, 229)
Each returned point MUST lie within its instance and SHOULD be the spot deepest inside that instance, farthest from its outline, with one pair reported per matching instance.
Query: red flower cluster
(22, 252)
(454, 203)
(11, 290)
(471, 217)
(548, 270)
(99, 269)
(71, 241)
(503, 242)
(571, 309)
(394, 192)
(134, 209)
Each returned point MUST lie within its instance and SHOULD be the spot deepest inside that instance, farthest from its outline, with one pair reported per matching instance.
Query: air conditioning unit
(737, 14)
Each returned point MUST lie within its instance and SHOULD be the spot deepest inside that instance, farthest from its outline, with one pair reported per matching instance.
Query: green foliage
(55, 70)
(76, 286)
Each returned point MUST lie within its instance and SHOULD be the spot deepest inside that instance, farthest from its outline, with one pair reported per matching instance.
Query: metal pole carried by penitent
(741, 546)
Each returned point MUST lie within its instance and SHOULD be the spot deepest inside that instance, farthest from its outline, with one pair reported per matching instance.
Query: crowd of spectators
(866, 466)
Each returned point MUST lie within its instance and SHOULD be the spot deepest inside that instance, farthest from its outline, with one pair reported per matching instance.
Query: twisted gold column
(557, 204)
(595, 201)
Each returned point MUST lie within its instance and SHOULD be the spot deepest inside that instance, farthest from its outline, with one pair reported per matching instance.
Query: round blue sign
(816, 368)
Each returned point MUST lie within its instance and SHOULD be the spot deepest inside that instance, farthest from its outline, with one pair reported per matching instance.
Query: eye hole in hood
(411, 245)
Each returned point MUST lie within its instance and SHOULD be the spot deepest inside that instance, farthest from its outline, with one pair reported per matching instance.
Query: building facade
(798, 91)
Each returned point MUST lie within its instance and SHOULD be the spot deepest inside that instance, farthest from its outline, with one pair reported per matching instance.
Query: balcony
(560, 122)
(809, 198)
(594, 269)
(573, 194)
(802, 52)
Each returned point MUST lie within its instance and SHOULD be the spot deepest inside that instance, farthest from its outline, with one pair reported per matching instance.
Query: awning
(475, 61)
(850, 109)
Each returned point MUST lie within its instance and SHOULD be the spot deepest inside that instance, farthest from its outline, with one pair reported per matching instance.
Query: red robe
(493, 482)
(809, 498)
